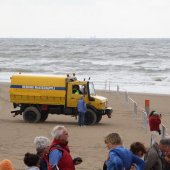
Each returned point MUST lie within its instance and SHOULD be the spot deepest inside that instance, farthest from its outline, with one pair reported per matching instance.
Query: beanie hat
(6, 165)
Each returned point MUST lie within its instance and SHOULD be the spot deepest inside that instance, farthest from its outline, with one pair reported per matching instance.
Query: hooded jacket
(121, 158)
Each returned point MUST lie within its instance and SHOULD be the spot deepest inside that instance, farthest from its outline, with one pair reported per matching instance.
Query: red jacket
(66, 162)
(154, 122)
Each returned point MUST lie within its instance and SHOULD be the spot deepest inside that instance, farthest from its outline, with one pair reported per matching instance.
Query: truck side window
(83, 89)
(76, 89)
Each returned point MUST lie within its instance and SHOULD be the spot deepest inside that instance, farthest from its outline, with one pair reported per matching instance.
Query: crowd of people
(157, 157)
(52, 156)
(55, 155)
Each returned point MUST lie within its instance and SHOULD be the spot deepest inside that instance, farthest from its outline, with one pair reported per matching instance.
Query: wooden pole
(147, 106)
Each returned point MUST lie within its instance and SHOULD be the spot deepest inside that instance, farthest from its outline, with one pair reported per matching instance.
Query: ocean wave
(150, 69)
(15, 70)
(25, 70)
(140, 62)
(159, 78)
(134, 62)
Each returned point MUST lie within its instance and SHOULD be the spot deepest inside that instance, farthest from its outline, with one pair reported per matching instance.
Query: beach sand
(87, 142)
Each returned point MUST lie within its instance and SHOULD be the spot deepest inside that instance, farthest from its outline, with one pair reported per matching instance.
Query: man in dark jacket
(154, 157)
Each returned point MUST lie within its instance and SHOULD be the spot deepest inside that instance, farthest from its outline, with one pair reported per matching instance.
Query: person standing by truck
(82, 108)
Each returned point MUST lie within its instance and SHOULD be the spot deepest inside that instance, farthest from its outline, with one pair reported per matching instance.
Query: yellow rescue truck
(36, 96)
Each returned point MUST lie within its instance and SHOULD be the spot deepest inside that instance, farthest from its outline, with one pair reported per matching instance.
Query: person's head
(6, 165)
(31, 159)
(60, 133)
(151, 113)
(42, 145)
(112, 140)
(76, 87)
(81, 97)
(164, 145)
(154, 113)
(138, 148)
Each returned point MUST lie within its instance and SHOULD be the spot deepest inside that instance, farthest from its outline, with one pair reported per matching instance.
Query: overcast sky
(85, 18)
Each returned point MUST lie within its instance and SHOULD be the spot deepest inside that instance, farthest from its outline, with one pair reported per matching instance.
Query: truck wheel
(31, 114)
(99, 117)
(90, 117)
(44, 116)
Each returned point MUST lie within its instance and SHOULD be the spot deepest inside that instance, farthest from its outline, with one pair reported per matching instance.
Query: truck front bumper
(108, 112)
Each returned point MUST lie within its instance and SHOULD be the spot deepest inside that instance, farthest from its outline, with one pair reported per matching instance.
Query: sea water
(137, 65)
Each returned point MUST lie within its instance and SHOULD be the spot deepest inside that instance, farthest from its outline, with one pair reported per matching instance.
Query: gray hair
(41, 142)
(57, 131)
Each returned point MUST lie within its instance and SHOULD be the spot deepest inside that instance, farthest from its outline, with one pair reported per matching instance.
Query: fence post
(135, 109)
(147, 106)
(145, 121)
(164, 132)
(117, 89)
(105, 85)
(126, 97)
(109, 85)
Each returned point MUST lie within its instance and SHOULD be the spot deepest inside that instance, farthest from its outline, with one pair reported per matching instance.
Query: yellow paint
(39, 89)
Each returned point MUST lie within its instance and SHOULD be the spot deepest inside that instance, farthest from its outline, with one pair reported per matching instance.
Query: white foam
(108, 84)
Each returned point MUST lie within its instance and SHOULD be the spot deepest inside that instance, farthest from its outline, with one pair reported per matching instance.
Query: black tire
(90, 117)
(44, 116)
(31, 114)
(99, 117)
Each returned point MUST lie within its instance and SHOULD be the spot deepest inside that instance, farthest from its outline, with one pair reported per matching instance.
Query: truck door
(74, 91)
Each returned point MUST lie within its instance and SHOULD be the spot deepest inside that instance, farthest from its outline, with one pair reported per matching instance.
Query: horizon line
(84, 37)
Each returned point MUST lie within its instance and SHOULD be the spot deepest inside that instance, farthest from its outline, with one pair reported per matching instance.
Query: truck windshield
(91, 89)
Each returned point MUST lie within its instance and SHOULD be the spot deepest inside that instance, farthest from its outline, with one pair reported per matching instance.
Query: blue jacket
(121, 158)
(81, 106)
